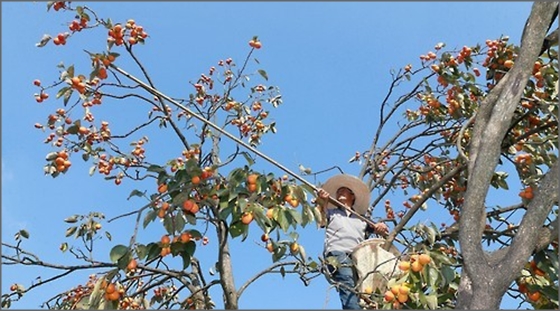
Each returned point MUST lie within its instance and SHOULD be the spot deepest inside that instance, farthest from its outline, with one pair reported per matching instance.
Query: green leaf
(6, 302)
(432, 301)
(448, 275)
(190, 247)
(141, 251)
(63, 91)
(179, 198)
(24, 233)
(282, 220)
(70, 71)
(278, 253)
(70, 231)
(433, 275)
(179, 222)
(306, 215)
(502, 183)
(150, 216)
(441, 258)
(96, 294)
(186, 260)
(261, 220)
(195, 234)
(263, 74)
(191, 219)
(177, 248)
(117, 252)
(67, 96)
(124, 260)
(293, 217)
(72, 219)
(225, 212)
(248, 158)
(155, 168)
(236, 229)
(73, 129)
(168, 224)
(192, 167)
(51, 156)
(550, 291)
(108, 235)
(137, 193)
(431, 233)
(302, 253)
(153, 251)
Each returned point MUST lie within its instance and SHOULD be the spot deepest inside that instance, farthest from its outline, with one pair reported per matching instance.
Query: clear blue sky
(331, 61)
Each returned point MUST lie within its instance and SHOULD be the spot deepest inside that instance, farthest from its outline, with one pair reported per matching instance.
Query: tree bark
(484, 282)
(231, 300)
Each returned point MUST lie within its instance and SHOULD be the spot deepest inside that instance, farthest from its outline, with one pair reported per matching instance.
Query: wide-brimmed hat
(360, 189)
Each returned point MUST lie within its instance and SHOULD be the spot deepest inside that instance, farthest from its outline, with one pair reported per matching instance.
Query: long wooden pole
(236, 140)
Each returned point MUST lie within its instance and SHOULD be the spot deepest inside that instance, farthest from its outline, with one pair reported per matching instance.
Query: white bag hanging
(374, 265)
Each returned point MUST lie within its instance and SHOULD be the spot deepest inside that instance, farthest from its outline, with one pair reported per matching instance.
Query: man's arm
(379, 228)
(322, 201)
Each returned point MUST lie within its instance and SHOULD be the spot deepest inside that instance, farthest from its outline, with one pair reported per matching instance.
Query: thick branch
(546, 196)
(417, 205)
(493, 119)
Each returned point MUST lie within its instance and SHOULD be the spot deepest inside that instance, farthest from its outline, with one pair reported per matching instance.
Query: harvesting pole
(235, 139)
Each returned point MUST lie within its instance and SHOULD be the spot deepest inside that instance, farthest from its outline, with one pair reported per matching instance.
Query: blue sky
(331, 61)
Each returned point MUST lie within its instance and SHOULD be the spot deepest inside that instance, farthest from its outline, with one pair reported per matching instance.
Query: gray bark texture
(486, 276)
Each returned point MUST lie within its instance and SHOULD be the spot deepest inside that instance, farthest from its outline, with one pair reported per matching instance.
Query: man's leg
(345, 275)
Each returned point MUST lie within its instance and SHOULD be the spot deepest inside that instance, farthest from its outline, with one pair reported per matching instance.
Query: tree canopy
(461, 114)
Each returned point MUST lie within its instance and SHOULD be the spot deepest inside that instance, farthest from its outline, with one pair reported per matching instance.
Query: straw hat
(360, 189)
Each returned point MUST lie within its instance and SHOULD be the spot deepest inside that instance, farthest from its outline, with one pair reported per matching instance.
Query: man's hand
(322, 193)
(322, 200)
(381, 229)
(323, 197)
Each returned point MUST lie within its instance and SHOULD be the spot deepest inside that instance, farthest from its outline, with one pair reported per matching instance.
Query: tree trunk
(231, 298)
(486, 276)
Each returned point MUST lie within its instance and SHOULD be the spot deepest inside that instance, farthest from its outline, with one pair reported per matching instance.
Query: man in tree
(344, 230)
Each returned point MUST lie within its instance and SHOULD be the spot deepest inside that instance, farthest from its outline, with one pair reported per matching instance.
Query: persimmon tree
(461, 113)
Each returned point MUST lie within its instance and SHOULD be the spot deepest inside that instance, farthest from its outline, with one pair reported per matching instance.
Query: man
(344, 230)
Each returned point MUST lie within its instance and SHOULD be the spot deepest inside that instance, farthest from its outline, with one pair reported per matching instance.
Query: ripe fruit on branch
(246, 218)
(534, 297)
(111, 292)
(389, 296)
(132, 265)
(165, 240)
(252, 179)
(270, 247)
(416, 266)
(190, 206)
(294, 248)
(162, 188)
(270, 213)
(185, 237)
(255, 44)
(404, 266)
(402, 298)
(264, 237)
(252, 187)
(424, 259)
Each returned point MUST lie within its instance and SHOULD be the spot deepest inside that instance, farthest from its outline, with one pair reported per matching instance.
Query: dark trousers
(344, 274)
